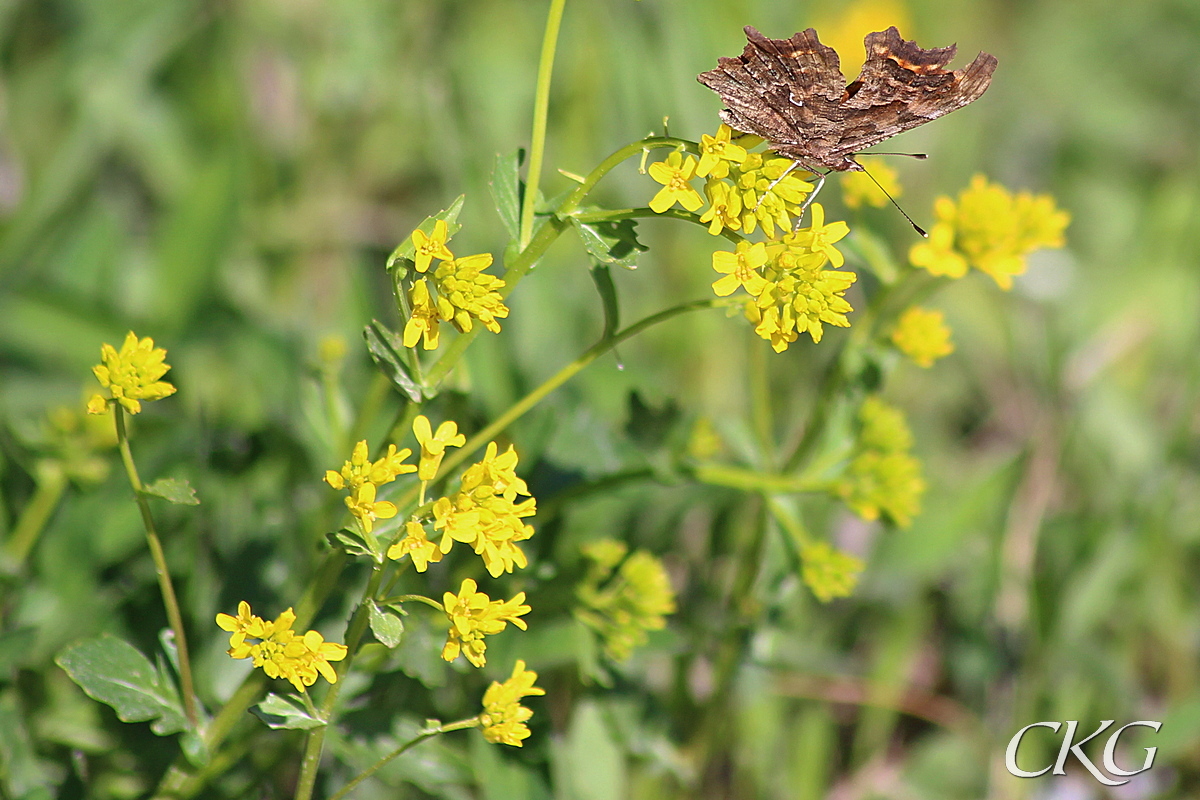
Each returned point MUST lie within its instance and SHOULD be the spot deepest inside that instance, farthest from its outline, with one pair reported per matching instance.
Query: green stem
(316, 737)
(429, 733)
(541, 108)
(160, 568)
(51, 482)
(752, 481)
(412, 598)
(530, 400)
(542, 240)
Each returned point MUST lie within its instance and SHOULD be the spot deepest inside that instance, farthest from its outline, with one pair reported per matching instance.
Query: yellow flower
(819, 237)
(430, 247)
(718, 152)
(466, 293)
(854, 20)
(724, 207)
(363, 506)
(674, 174)
(503, 718)
(360, 469)
(414, 544)
(858, 188)
(425, 317)
(883, 478)
(131, 375)
(485, 512)
(433, 446)
(991, 229)
(473, 615)
(922, 335)
(827, 572)
(278, 650)
(623, 604)
(740, 269)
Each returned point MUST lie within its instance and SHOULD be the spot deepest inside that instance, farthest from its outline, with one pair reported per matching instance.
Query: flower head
(820, 238)
(467, 293)
(740, 269)
(991, 229)
(674, 174)
(366, 510)
(503, 718)
(131, 375)
(473, 615)
(623, 603)
(922, 335)
(883, 478)
(426, 315)
(416, 546)
(279, 650)
(718, 152)
(827, 572)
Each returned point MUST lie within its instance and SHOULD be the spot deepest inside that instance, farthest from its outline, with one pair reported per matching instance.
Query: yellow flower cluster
(923, 336)
(485, 512)
(883, 477)
(503, 718)
(473, 615)
(858, 189)
(827, 572)
(990, 229)
(130, 375)
(623, 603)
(794, 293)
(461, 291)
(280, 651)
(363, 477)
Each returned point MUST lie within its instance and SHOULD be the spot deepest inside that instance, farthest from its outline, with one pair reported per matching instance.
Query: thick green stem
(51, 482)
(541, 109)
(160, 567)
(473, 722)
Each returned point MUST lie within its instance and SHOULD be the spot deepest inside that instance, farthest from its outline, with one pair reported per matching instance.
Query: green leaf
(173, 490)
(506, 190)
(278, 711)
(386, 624)
(405, 250)
(115, 673)
(602, 277)
(386, 348)
(611, 242)
(354, 543)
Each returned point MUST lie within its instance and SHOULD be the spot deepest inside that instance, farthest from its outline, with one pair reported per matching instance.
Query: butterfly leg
(775, 182)
(811, 196)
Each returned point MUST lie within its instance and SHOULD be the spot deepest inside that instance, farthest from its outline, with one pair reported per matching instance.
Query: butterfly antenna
(918, 156)
(916, 227)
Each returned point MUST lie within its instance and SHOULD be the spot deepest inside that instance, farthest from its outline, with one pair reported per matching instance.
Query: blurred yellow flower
(858, 188)
(827, 572)
(623, 604)
(990, 229)
(923, 336)
(853, 21)
(131, 375)
(883, 478)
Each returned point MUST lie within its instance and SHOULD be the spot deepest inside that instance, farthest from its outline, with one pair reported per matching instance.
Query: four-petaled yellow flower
(473, 615)
(740, 269)
(922, 335)
(674, 174)
(415, 545)
(819, 237)
(130, 375)
(724, 207)
(280, 651)
(503, 718)
(429, 247)
(366, 510)
(718, 152)
(433, 445)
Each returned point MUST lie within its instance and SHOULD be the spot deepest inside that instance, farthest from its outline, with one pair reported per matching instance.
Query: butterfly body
(792, 93)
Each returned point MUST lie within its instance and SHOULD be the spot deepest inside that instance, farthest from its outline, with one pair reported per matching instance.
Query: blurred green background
(229, 178)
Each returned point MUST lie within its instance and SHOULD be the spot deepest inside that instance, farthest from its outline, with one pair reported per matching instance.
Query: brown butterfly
(791, 92)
